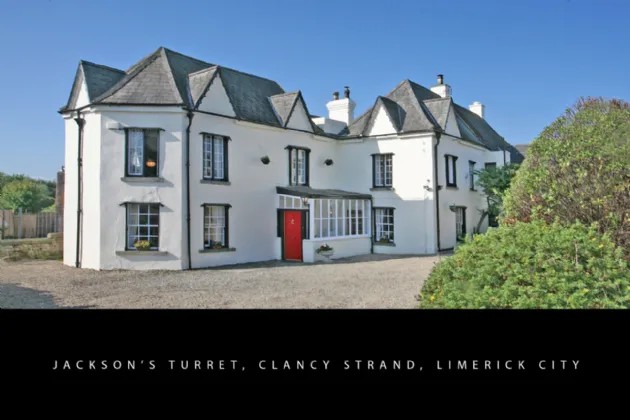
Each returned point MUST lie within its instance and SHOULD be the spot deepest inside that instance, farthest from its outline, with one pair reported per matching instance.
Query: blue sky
(525, 60)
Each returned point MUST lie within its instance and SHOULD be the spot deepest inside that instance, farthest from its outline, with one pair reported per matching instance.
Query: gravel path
(370, 281)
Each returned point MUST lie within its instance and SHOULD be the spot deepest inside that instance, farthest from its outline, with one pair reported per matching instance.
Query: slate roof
(304, 191)
(283, 104)
(166, 77)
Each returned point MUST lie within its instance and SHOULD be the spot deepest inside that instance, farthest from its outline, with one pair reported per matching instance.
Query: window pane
(207, 157)
(293, 159)
(142, 224)
(388, 170)
(151, 140)
(135, 158)
(214, 227)
(378, 174)
(218, 158)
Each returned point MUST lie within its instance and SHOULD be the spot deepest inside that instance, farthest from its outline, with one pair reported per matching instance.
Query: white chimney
(341, 109)
(478, 108)
(441, 89)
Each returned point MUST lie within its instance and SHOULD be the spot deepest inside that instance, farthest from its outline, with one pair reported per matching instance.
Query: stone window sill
(452, 187)
(382, 189)
(384, 244)
(215, 182)
(211, 250)
(142, 179)
(135, 252)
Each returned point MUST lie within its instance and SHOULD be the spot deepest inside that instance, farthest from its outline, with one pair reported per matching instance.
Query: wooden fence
(16, 224)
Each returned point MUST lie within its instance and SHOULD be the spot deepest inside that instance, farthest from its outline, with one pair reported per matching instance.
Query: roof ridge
(102, 66)
(169, 69)
(295, 92)
(437, 99)
(194, 73)
(186, 56)
(249, 74)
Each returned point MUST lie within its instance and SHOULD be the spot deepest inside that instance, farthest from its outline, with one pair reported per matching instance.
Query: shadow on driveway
(13, 296)
(349, 260)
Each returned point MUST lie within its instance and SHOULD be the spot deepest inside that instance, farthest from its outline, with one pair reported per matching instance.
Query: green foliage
(26, 194)
(529, 266)
(495, 181)
(579, 169)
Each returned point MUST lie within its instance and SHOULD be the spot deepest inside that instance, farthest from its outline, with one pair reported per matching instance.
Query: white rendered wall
(342, 248)
(462, 195)
(299, 120)
(252, 185)
(414, 217)
(169, 192)
(216, 99)
(382, 124)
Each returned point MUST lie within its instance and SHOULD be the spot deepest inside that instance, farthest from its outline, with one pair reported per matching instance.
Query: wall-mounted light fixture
(305, 201)
(452, 207)
(328, 162)
(265, 160)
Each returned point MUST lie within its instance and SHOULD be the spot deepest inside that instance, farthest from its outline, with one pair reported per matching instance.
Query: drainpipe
(437, 188)
(190, 116)
(80, 123)
(373, 225)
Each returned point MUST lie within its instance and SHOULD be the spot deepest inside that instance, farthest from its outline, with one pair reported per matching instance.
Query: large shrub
(532, 265)
(579, 169)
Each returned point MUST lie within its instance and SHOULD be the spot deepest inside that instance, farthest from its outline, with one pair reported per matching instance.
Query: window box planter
(326, 252)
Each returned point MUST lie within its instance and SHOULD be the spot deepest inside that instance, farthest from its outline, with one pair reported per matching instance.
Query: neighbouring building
(213, 166)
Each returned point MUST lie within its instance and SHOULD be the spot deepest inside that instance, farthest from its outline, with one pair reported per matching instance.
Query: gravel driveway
(370, 281)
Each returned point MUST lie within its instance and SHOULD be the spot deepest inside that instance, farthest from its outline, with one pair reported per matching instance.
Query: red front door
(293, 235)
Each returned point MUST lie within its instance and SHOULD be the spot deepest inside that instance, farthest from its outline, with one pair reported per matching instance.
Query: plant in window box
(385, 239)
(142, 245)
(216, 245)
(325, 251)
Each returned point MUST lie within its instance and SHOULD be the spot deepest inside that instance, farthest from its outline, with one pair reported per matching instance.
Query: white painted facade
(250, 189)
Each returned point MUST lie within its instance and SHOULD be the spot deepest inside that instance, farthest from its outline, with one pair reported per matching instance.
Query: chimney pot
(346, 92)
(440, 79)
(335, 96)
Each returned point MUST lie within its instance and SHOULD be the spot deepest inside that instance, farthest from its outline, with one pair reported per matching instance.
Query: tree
(578, 169)
(26, 194)
(495, 181)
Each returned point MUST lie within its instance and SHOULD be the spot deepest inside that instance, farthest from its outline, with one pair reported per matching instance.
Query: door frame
(305, 229)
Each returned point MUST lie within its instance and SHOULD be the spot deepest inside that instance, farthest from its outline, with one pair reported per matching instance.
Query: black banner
(312, 346)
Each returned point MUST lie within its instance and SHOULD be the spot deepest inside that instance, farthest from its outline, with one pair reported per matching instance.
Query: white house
(214, 166)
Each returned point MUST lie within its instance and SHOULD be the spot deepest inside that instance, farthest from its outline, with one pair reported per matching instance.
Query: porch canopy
(308, 192)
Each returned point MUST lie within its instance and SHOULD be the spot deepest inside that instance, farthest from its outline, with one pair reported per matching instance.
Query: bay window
(334, 218)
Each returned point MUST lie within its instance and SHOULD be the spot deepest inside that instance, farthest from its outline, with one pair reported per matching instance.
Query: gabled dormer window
(142, 152)
(298, 165)
(451, 170)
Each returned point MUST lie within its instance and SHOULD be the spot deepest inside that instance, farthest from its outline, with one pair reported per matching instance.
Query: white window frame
(343, 220)
(214, 157)
(216, 217)
(134, 213)
(383, 170)
(135, 152)
(451, 171)
(471, 174)
(298, 165)
(383, 226)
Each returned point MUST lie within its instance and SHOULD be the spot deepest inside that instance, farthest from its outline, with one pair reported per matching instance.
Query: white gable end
(451, 124)
(83, 98)
(382, 124)
(216, 100)
(299, 120)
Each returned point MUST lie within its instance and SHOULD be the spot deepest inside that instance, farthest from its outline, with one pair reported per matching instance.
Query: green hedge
(532, 265)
